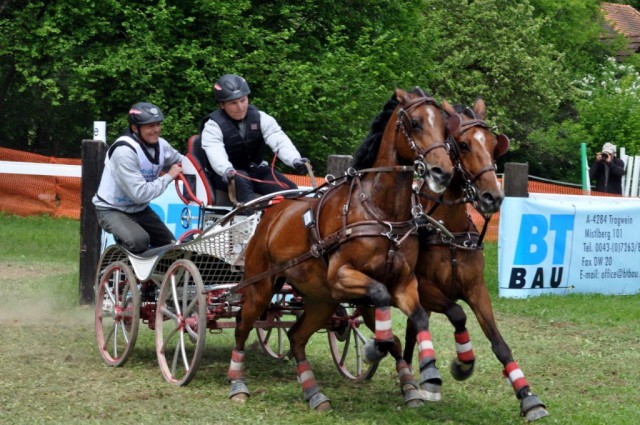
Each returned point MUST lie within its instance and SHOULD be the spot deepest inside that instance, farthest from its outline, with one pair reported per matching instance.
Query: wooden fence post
(516, 180)
(93, 154)
(338, 164)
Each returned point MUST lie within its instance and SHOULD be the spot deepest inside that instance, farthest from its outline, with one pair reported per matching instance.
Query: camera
(604, 155)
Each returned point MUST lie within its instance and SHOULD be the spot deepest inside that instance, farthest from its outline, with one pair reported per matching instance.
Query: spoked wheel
(117, 313)
(347, 337)
(181, 323)
(273, 326)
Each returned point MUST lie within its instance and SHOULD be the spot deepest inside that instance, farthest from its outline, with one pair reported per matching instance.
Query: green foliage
(573, 28)
(609, 106)
(553, 152)
(496, 52)
(322, 68)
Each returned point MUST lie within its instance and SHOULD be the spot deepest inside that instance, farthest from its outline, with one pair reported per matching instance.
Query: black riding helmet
(230, 87)
(144, 113)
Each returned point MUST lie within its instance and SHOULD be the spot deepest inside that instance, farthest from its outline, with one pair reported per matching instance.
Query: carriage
(180, 290)
(184, 291)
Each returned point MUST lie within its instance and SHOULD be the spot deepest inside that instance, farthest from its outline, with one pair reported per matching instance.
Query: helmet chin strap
(140, 138)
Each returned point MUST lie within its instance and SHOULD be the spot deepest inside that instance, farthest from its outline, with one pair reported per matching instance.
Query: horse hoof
(414, 404)
(325, 406)
(239, 392)
(460, 370)
(430, 392)
(536, 413)
(320, 402)
(413, 398)
(532, 408)
(371, 353)
(240, 398)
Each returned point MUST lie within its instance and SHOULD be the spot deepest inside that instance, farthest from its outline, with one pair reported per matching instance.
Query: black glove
(300, 164)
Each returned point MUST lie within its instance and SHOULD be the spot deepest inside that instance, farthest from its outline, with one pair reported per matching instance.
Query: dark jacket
(608, 175)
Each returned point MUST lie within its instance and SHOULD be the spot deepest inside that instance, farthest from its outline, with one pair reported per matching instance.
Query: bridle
(404, 124)
(453, 146)
(470, 192)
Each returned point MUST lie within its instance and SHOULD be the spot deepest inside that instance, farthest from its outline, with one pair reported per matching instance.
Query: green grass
(580, 354)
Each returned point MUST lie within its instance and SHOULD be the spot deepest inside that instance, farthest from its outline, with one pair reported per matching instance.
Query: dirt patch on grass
(30, 295)
(14, 271)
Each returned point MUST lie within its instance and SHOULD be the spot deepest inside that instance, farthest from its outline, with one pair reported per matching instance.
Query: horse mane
(368, 149)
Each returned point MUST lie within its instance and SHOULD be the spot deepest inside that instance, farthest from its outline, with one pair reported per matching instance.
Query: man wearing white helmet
(234, 139)
(131, 179)
(607, 170)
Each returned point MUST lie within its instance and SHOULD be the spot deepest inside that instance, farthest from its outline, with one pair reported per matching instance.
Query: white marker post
(100, 130)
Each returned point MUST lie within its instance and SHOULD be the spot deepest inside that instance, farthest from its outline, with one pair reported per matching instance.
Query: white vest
(109, 190)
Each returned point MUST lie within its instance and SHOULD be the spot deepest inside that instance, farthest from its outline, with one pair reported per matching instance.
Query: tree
(323, 68)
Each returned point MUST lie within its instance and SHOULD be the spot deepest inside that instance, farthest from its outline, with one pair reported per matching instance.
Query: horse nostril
(492, 203)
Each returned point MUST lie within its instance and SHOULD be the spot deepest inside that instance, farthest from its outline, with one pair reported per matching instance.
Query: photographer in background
(607, 170)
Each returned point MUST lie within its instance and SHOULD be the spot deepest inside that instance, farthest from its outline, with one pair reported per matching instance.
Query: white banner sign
(559, 244)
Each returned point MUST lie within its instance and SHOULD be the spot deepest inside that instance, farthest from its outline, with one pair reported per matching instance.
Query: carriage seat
(198, 172)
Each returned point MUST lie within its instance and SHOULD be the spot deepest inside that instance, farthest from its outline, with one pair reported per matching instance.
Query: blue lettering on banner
(532, 247)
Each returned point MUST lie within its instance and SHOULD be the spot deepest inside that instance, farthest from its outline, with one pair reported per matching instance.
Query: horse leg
(530, 405)
(299, 334)
(408, 385)
(407, 300)
(257, 298)
(462, 366)
(430, 379)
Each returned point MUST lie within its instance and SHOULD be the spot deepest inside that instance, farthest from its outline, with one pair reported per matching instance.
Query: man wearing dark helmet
(131, 179)
(234, 139)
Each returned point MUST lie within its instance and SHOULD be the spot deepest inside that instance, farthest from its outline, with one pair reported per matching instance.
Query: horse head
(475, 148)
(420, 131)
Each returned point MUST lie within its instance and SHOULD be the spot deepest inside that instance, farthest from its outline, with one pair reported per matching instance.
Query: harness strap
(463, 240)
(454, 270)
(398, 233)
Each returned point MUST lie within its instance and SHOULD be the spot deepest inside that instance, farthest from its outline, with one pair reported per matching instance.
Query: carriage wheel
(273, 339)
(117, 313)
(347, 337)
(181, 323)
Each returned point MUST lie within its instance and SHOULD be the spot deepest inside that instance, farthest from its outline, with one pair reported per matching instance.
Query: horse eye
(416, 125)
(463, 146)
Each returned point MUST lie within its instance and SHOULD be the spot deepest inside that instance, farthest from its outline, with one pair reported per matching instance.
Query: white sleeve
(277, 140)
(171, 155)
(213, 146)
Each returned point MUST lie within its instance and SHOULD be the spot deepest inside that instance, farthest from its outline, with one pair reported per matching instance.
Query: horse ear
(453, 123)
(401, 95)
(480, 109)
(446, 106)
(502, 147)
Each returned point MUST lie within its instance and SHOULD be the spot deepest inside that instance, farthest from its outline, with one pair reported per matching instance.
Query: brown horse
(355, 243)
(448, 271)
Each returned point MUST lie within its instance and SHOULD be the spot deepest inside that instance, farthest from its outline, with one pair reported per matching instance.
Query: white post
(636, 174)
(628, 172)
(100, 130)
(623, 156)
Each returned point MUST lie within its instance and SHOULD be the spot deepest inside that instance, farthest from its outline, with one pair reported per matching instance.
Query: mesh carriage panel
(226, 242)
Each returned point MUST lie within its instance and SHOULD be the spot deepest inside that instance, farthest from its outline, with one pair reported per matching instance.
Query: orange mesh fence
(24, 195)
(60, 196)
